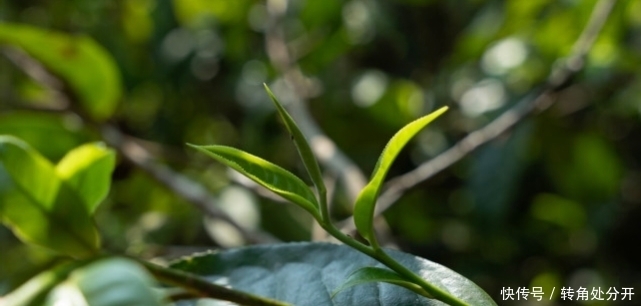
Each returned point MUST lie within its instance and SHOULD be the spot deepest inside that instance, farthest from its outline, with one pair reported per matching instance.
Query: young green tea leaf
(87, 169)
(306, 154)
(68, 57)
(366, 201)
(373, 274)
(38, 206)
(268, 175)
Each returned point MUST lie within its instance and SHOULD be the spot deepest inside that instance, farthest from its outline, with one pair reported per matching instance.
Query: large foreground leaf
(83, 64)
(38, 206)
(268, 175)
(308, 274)
(366, 201)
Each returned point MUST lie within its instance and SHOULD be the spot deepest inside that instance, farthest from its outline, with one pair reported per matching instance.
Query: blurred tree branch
(559, 77)
(133, 151)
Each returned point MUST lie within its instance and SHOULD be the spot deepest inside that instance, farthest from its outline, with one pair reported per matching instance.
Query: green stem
(199, 287)
(379, 254)
(435, 291)
(324, 207)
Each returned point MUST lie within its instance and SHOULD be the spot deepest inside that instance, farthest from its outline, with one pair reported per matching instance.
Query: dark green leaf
(87, 169)
(268, 175)
(38, 206)
(96, 83)
(306, 154)
(366, 201)
(307, 273)
(373, 274)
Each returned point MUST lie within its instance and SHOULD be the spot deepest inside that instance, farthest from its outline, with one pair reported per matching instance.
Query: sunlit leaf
(77, 59)
(307, 273)
(268, 175)
(306, 154)
(87, 169)
(366, 201)
(373, 274)
(38, 206)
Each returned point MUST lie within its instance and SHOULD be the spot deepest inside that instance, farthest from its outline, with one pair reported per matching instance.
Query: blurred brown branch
(559, 78)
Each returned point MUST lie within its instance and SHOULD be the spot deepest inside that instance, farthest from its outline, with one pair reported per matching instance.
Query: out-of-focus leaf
(373, 275)
(559, 211)
(86, 66)
(309, 160)
(34, 291)
(38, 129)
(502, 163)
(87, 169)
(307, 273)
(590, 172)
(268, 175)
(190, 12)
(38, 206)
(366, 201)
(108, 282)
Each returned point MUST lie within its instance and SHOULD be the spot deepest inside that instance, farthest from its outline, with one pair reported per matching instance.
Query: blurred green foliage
(552, 203)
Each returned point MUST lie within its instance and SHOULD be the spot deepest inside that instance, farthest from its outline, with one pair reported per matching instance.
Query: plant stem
(196, 286)
(435, 291)
(380, 255)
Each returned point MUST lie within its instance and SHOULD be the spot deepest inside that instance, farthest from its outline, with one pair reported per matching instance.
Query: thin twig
(557, 80)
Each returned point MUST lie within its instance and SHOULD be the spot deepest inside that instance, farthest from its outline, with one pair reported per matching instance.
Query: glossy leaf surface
(373, 274)
(308, 273)
(38, 206)
(87, 169)
(366, 201)
(97, 87)
(306, 154)
(268, 175)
